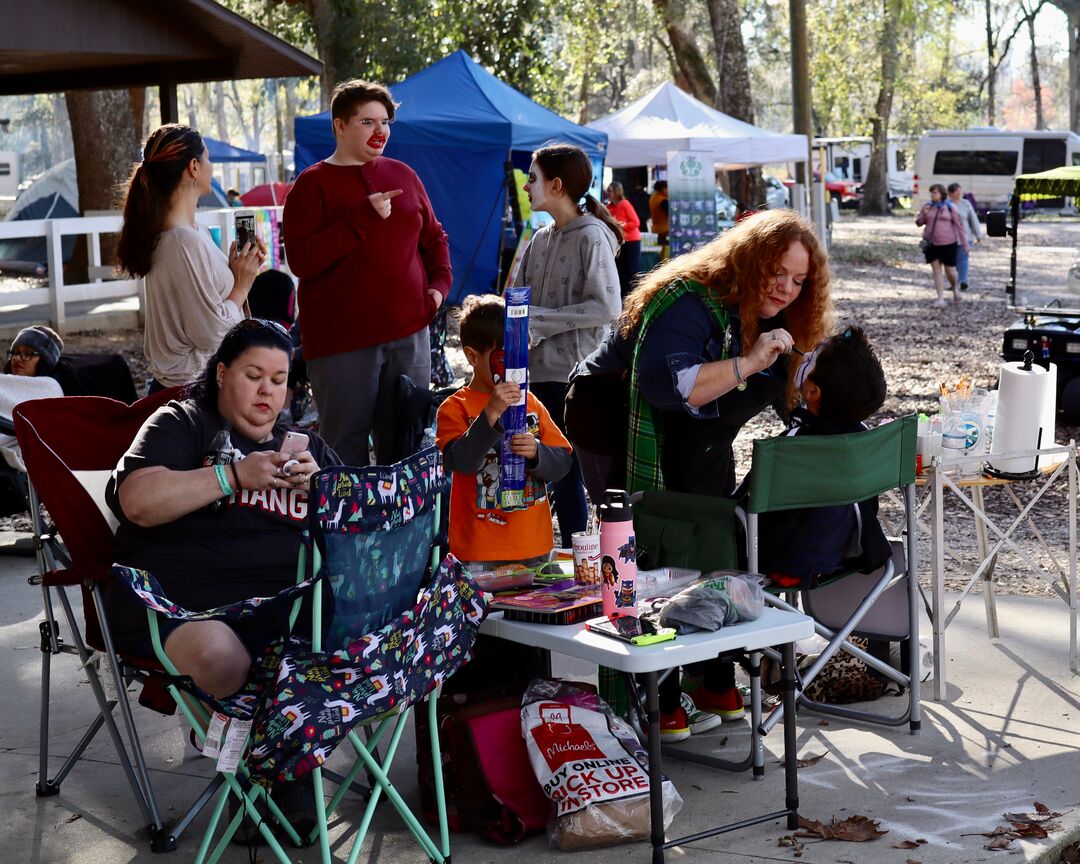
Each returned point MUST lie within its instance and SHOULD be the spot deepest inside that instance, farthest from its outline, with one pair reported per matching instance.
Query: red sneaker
(674, 726)
(728, 704)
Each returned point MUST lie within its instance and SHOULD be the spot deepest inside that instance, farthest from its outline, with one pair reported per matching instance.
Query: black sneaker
(963, 286)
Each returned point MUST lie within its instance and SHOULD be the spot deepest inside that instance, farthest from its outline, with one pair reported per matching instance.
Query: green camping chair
(824, 471)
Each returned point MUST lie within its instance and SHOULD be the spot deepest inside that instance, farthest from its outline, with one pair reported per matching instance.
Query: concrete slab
(1006, 737)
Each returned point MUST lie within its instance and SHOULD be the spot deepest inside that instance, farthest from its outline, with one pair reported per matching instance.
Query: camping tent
(53, 195)
(666, 119)
(222, 152)
(457, 127)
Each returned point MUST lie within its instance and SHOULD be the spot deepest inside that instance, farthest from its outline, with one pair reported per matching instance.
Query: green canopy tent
(1061, 182)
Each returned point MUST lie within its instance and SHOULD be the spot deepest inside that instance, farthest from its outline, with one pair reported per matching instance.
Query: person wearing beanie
(35, 351)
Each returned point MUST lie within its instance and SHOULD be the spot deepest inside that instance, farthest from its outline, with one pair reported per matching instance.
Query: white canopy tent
(666, 119)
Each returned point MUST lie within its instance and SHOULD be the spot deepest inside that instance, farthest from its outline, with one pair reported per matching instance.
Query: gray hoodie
(575, 294)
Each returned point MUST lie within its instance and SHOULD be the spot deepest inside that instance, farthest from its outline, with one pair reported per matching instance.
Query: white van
(986, 161)
(849, 157)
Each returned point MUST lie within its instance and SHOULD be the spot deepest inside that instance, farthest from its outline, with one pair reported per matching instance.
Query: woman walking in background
(970, 220)
(194, 292)
(570, 266)
(943, 233)
(629, 261)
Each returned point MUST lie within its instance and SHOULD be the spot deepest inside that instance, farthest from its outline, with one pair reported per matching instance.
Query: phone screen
(245, 229)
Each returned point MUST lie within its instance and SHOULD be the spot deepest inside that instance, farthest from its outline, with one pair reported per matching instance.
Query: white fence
(105, 284)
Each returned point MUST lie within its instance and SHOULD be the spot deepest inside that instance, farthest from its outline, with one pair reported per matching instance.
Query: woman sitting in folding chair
(208, 502)
(712, 328)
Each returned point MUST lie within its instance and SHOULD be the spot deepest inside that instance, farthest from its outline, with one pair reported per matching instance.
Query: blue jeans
(569, 493)
(961, 264)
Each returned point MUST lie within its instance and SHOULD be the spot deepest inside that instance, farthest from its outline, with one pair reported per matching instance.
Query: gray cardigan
(575, 294)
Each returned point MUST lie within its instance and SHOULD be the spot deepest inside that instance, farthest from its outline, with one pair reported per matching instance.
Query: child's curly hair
(849, 374)
(738, 268)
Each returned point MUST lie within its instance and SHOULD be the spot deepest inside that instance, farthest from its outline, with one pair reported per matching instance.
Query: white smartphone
(244, 221)
(293, 442)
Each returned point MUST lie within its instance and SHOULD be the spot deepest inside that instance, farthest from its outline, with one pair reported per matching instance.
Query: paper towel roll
(1022, 397)
(1048, 422)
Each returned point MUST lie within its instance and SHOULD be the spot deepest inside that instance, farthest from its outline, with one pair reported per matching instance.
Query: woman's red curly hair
(738, 268)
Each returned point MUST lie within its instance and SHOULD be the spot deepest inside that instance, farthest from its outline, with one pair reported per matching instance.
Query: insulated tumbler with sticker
(618, 555)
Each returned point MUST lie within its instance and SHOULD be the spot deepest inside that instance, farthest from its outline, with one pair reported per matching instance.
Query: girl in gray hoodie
(570, 266)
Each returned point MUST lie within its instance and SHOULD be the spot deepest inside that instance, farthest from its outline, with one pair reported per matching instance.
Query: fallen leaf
(912, 861)
(1041, 808)
(1040, 816)
(1030, 830)
(907, 844)
(807, 761)
(73, 817)
(823, 723)
(1001, 842)
(855, 829)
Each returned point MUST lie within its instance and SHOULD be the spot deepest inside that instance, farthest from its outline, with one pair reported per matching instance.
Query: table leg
(938, 585)
(791, 765)
(989, 600)
(656, 777)
(757, 744)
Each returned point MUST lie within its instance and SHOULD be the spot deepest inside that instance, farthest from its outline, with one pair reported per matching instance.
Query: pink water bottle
(618, 555)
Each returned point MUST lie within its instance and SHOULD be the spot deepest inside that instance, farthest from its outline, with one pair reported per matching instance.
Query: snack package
(591, 767)
(516, 360)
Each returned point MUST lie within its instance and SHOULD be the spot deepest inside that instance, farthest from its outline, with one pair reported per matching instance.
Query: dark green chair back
(674, 529)
(829, 470)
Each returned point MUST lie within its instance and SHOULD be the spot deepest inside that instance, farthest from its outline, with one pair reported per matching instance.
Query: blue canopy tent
(457, 127)
(220, 151)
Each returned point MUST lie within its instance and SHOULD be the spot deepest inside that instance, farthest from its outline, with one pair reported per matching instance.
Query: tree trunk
(105, 143)
(735, 96)
(1035, 85)
(875, 199)
(1072, 9)
(688, 66)
(336, 24)
(991, 68)
(219, 111)
(583, 114)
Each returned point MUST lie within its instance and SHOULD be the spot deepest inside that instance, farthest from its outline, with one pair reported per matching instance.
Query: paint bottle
(618, 555)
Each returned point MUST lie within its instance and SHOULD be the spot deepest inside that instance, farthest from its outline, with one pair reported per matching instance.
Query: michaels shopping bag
(590, 765)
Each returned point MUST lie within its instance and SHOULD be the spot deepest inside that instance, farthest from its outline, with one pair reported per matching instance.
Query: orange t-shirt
(479, 530)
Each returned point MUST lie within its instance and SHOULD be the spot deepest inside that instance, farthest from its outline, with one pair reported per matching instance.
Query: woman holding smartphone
(194, 292)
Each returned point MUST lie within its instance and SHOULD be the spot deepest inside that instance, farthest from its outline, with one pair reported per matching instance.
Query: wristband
(236, 476)
(738, 375)
(223, 481)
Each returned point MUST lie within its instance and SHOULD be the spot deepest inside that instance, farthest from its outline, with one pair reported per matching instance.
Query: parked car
(846, 193)
(726, 210)
(776, 193)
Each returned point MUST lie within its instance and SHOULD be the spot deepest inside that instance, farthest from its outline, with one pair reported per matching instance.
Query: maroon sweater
(363, 280)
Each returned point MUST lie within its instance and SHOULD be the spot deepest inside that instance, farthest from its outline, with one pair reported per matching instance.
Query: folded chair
(70, 446)
(373, 544)
(831, 470)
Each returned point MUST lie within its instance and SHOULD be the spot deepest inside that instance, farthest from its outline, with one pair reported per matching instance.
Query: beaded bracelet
(738, 375)
(223, 481)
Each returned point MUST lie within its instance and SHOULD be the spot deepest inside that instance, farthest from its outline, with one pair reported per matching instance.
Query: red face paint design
(497, 364)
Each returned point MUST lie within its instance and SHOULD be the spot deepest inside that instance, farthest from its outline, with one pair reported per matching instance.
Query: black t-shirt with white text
(247, 547)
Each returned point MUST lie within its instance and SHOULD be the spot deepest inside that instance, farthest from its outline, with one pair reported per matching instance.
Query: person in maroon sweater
(374, 267)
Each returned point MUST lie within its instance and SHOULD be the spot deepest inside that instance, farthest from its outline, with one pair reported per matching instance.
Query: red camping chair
(70, 446)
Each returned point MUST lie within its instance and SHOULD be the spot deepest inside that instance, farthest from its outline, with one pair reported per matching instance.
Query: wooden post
(54, 250)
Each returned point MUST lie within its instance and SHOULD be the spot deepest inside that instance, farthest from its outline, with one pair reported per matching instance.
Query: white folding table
(774, 627)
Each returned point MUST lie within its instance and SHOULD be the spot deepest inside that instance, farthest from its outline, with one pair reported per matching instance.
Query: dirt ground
(880, 282)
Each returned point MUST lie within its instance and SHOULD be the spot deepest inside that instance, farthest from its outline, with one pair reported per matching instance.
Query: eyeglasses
(25, 354)
(368, 123)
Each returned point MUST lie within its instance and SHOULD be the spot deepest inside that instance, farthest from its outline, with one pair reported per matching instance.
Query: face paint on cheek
(536, 187)
(497, 364)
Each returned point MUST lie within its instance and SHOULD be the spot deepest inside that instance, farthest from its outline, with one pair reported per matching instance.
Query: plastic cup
(586, 549)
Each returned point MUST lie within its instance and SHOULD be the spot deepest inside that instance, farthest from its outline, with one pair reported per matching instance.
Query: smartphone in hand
(293, 443)
(245, 228)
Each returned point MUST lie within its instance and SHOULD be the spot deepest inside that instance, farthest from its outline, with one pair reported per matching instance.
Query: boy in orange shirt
(469, 433)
